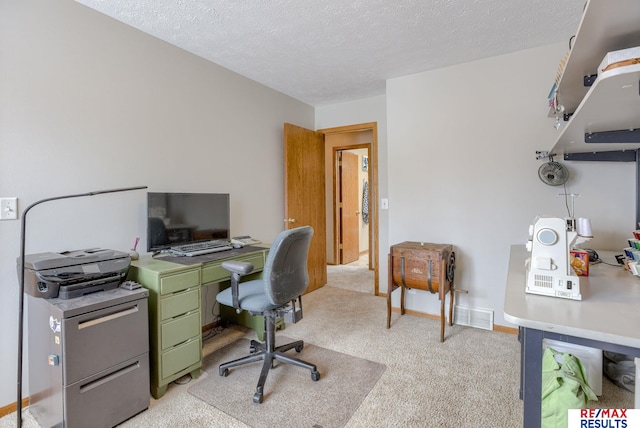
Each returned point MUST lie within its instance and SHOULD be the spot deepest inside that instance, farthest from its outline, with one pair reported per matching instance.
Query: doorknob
(289, 220)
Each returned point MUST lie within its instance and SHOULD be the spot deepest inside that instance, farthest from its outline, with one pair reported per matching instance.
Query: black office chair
(276, 295)
(157, 233)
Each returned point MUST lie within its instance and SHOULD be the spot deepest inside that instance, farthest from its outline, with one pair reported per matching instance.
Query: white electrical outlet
(8, 208)
(384, 204)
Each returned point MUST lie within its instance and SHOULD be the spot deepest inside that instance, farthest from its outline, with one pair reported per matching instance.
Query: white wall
(462, 169)
(88, 104)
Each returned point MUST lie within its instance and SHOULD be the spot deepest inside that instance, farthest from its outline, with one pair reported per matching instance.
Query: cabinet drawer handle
(183, 314)
(185, 290)
(191, 339)
(106, 318)
(96, 383)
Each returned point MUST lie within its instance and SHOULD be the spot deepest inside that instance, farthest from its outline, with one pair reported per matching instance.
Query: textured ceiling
(326, 51)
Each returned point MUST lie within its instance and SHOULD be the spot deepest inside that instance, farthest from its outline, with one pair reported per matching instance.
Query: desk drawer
(179, 304)
(178, 282)
(180, 357)
(180, 329)
(214, 272)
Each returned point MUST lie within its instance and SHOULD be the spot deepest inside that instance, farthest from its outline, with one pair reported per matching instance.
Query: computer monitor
(183, 218)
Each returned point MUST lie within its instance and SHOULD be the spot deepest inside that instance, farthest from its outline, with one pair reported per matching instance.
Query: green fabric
(564, 387)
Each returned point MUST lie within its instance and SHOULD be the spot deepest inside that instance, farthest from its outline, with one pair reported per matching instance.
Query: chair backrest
(285, 272)
(157, 232)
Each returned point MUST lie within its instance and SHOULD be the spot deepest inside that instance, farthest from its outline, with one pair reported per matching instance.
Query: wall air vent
(473, 317)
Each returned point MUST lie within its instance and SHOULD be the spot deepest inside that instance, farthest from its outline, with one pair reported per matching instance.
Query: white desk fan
(553, 173)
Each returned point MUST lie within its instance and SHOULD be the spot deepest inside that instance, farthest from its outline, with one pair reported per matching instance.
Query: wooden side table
(423, 266)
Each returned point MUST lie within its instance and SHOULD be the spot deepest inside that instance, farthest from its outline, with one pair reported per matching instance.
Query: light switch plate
(8, 208)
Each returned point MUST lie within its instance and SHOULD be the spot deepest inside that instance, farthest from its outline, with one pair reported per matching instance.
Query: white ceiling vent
(473, 317)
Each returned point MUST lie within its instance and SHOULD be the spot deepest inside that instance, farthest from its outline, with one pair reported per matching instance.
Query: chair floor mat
(291, 398)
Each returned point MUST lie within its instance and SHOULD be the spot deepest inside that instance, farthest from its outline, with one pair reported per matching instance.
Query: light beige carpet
(355, 276)
(470, 380)
(291, 398)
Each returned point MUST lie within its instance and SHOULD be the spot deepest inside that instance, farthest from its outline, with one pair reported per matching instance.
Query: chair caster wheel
(315, 376)
(257, 398)
(299, 348)
(223, 372)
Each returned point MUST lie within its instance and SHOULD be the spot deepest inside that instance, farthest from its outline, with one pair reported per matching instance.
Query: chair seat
(251, 297)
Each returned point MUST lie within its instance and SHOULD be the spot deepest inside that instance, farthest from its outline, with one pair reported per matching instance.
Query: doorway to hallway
(352, 205)
(355, 276)
(361, 241)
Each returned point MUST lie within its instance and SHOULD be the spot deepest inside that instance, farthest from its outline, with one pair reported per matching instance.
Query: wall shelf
(611, 104)
(605, 26)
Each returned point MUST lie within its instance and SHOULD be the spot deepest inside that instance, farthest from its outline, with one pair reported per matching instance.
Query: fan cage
(553, 173)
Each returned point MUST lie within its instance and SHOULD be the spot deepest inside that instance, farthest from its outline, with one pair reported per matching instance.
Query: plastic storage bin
(591, 359)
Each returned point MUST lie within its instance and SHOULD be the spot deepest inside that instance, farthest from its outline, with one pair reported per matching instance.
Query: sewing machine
(549, 270)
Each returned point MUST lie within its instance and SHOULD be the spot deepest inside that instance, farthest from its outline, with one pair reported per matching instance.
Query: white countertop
(609, 310)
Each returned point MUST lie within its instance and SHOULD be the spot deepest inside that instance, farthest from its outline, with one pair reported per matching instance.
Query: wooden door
(349, 208)
(304, 194)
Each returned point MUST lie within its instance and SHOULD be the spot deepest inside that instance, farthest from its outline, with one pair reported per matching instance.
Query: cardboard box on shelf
(614, 57)
(580, 262)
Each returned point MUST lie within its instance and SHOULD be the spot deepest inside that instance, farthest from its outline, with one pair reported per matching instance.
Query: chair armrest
(237, 269)
(234, 266)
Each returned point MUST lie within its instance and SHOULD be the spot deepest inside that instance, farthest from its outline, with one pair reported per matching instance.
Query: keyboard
(199, 248)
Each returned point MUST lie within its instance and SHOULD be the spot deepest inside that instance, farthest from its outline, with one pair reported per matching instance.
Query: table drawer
(180, 357)
(171, 307)
(180, 281)
(180, 329)
(214, 272)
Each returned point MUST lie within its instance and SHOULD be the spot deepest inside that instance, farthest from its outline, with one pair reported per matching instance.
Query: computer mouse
(236, 245)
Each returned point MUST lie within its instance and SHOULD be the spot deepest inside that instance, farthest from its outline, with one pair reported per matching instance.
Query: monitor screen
(183, 218)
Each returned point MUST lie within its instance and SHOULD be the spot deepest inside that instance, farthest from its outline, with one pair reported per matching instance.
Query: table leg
(531, 372)
(195, 374)
(389, 290)
(637, 393)
(451, 298)
(158, 391)
(442, 320)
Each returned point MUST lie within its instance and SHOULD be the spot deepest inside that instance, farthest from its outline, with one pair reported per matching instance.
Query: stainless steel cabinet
(88, 358)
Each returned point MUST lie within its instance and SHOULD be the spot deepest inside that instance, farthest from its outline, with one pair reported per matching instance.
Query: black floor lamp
(21, 261)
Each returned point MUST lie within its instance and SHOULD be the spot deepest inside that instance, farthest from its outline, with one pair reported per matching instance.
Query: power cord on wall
(217, 320)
